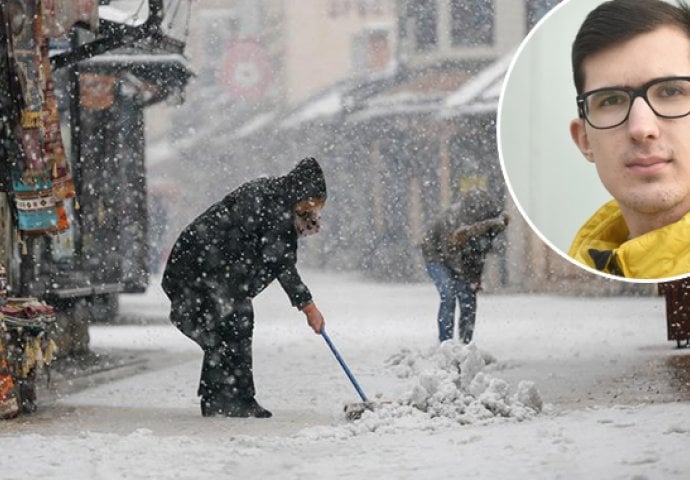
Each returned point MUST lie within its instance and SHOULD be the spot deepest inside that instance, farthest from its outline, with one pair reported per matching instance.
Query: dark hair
(617, 21)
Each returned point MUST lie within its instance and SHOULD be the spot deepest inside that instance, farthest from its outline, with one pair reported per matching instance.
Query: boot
(246, 408)
(255, 410)
(211, 407)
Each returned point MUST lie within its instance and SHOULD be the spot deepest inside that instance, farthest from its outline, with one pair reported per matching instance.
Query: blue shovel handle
(344, 365)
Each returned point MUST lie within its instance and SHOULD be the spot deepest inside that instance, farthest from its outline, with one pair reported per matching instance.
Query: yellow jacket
(602, 243)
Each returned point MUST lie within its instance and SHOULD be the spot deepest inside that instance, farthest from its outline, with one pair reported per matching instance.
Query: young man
(631, 65)
(226, 257)
(454, 249)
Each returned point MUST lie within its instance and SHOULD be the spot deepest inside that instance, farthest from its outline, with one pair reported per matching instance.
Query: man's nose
(643, 123)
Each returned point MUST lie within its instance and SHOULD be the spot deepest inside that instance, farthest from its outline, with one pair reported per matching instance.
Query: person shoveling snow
(225, 258)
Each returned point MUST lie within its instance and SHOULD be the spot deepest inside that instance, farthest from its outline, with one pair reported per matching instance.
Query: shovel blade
(354, 411)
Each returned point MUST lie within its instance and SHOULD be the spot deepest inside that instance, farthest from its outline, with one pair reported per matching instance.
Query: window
(472, 22)
(371, 50)
(424, 17)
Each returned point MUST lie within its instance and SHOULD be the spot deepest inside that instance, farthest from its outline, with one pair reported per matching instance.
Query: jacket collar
(602, 243)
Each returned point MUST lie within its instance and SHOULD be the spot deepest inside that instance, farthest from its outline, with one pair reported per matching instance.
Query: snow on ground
(573, 388)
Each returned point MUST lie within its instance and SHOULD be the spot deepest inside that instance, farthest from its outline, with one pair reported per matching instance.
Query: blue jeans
(452, 287)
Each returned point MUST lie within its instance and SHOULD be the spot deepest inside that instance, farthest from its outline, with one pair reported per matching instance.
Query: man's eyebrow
(640, 85)
(614, 87)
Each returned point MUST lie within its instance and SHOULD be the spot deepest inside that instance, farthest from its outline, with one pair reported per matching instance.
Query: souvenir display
(29, 345)
(9, 405)
(41, 177)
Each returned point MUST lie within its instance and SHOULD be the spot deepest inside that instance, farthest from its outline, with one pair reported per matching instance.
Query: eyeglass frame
(633, 93)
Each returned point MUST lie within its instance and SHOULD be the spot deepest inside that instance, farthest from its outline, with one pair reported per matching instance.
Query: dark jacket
(245, 241)
(462, 236)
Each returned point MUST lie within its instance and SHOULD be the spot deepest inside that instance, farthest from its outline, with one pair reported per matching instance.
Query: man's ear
(578, 132)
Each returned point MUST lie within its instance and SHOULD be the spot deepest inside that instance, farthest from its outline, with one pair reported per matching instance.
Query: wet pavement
(678, 373)
(662, 378)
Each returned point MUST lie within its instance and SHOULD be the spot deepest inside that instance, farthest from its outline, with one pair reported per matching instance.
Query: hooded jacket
(246, 240)
(465, 257)
(602, 243)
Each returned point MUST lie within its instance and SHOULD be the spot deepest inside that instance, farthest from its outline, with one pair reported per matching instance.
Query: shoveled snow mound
(449, 386)
(451, 382)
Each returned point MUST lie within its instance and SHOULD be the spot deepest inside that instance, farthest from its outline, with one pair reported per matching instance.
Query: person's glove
(314, 318)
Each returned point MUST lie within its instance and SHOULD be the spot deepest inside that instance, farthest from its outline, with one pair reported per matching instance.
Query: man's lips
(647, 165)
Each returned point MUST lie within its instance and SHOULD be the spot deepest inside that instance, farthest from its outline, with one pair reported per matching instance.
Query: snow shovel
(353, 411)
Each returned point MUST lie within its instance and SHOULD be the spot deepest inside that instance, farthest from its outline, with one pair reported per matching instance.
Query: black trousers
(223, 327)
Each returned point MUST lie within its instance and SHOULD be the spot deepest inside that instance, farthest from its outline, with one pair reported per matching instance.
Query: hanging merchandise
(9, 405)
(36, 213)
(30, 327)
(41, 177)
(27, 346)
(58, 17)
(54, 151)
(30, 173)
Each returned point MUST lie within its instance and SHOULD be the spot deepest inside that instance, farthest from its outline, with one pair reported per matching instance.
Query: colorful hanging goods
(9, 405)
(29, 324)
(41, 176)
(36, 212)
(30, 173)
(54, 151)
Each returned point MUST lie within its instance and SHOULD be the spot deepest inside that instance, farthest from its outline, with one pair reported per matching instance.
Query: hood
(474, 206)
(305, 181)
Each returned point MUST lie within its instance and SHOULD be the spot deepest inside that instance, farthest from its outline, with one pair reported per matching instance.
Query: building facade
(400, 138)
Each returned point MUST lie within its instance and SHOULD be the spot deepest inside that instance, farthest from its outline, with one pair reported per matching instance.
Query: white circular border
(564, 255)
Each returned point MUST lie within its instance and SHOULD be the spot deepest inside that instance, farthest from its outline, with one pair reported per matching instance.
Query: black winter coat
(245, 241)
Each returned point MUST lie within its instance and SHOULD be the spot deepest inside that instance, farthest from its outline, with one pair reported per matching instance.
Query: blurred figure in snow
(226, 257)
(454, 249)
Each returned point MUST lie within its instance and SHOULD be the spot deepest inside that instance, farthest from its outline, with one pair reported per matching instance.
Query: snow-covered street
(615, 392)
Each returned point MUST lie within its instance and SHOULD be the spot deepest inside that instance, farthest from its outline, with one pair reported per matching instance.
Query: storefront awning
(339, 99)
(168, 72)
(481, 94)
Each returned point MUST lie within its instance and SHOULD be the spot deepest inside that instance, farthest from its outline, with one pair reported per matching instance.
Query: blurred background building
(397, 99)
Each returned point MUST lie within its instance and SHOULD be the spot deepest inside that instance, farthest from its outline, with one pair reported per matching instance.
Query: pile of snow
(450, 386)
(451, 382)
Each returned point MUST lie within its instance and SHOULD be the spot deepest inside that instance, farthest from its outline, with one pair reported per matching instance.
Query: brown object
(97, 92)
(677, 295)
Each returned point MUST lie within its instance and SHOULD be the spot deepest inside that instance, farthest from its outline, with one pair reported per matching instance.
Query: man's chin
(653, 202)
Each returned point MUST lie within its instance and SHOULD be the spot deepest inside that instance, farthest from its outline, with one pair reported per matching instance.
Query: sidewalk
(598, 351)
(72, 374)
(602, 364)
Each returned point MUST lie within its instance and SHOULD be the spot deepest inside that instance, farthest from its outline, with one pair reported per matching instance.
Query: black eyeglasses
(609, 107)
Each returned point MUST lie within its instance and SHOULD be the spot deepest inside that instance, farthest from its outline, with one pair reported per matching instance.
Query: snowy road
(617, 396)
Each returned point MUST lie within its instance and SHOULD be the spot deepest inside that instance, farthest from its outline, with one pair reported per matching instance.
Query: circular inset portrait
(594, 135)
